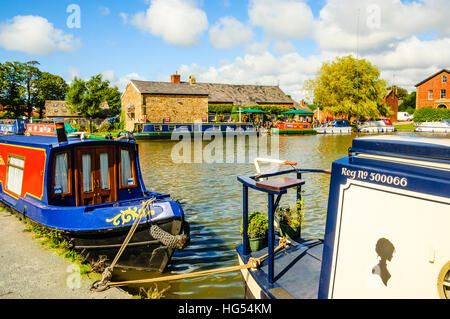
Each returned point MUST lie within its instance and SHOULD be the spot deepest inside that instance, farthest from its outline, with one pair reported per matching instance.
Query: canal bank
(29, 271)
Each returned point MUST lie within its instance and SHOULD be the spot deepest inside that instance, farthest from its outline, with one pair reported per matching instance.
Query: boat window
(104, 170)
(158, 128)
(171, 127)
(15, 168)
(127, 178)
(86, 167)
(61, 182)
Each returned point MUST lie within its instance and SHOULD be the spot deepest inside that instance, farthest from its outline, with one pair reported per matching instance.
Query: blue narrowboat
(16, 126)
(92, 192)
(386, 233)
(166, 130)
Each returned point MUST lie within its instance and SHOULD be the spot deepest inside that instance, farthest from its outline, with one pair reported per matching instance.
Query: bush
(105, 127)
(428, 114)
(257, 225)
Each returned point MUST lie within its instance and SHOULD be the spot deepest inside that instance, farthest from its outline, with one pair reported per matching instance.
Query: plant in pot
(257, 230)
(290, 220)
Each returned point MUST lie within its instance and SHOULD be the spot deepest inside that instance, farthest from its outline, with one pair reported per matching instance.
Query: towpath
(29, 271)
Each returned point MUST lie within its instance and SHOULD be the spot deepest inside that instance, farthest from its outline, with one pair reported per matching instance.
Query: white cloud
(72, 72)
(283, 47)
(104, 10)
(379, 23)
(178, 22)
(35, 35)
(124, 17)
(289, 70)
(120, 82)
(282, 19)
(229, 32)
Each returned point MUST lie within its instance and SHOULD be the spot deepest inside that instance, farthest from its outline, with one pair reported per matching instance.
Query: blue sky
(227, 41)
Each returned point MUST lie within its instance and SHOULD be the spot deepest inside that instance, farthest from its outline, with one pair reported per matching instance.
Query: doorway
(95, 176)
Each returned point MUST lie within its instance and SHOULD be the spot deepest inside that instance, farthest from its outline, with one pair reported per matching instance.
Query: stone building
(187, 102)
(434, 91)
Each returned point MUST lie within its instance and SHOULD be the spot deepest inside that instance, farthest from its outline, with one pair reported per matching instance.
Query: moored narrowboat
(91, 191)
(339, 126)
(144, 131)
(386, 230)
(293, 128)
(16, 126)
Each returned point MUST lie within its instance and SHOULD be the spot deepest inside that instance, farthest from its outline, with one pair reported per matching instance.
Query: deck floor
(296, 270)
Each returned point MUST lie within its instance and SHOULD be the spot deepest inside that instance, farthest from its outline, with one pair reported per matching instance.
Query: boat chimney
(61, 132)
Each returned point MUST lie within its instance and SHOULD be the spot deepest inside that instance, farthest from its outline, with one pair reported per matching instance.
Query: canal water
(211, 198)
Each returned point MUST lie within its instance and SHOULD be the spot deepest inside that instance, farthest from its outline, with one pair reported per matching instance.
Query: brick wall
(392, 101)
(435, 84)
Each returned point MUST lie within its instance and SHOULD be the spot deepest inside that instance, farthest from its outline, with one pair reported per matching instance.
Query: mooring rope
(253, 263)
(107, 273)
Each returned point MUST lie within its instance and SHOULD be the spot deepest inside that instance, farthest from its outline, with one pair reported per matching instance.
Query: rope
(253, 263)
(107, 273)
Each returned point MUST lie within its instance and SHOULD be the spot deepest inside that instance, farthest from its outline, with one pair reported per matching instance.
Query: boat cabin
(72, 173)
(294, 126)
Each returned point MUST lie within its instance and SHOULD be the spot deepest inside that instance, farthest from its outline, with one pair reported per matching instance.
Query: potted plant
(257, 230)
(290, 220)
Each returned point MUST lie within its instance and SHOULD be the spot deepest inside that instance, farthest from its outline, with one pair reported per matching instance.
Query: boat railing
(261, 182)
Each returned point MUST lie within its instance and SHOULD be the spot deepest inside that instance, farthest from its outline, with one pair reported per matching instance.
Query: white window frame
(430, 94)
(443, 93)
(16, 168)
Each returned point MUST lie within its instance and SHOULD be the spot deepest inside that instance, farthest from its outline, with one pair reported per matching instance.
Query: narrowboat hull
(297, 132)
(92, 193)
(149, 131)
(333, 130)
(385, 129)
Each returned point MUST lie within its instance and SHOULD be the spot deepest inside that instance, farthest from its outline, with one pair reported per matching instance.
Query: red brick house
(434, 91)
(392, 100)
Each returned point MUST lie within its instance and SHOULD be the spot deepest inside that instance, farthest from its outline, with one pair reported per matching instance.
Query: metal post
(271, 240)
(245, 220)
(299, 188)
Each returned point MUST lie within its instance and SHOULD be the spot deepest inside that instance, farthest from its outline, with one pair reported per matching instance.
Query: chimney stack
(175, 78)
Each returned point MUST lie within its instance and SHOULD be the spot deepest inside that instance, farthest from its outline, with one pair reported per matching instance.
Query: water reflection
(211, 198)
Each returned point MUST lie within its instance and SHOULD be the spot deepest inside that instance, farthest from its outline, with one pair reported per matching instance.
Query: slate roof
(220, 93)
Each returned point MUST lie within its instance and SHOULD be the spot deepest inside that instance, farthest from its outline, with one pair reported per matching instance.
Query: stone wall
(178, 108)
(131, 97)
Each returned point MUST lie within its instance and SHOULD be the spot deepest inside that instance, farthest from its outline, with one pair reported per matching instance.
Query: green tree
(84, 97)
(401, 92)
(349, 87)
(409, 103)
(12, 91)
(49, 87)
(30, 74)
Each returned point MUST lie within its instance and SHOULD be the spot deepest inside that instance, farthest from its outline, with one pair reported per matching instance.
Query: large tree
(11, 89)
(349, 87)
(49, 87)
(84, 97)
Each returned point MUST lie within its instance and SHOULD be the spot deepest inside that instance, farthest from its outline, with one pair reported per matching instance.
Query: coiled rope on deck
(253, 263)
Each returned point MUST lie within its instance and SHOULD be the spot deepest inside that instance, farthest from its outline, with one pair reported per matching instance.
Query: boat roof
(50, 141)
(404, 146)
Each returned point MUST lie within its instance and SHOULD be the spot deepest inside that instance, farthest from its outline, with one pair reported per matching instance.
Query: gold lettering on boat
(128, 215)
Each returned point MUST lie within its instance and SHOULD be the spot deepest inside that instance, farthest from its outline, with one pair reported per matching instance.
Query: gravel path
(29, 271)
